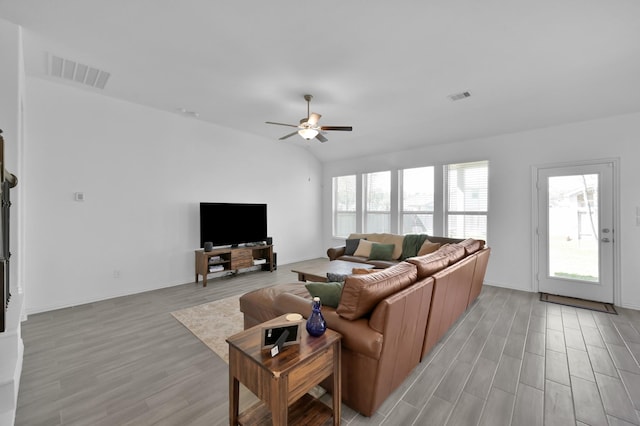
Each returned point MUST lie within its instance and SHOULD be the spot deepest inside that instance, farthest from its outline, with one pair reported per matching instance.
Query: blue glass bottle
(316, 326)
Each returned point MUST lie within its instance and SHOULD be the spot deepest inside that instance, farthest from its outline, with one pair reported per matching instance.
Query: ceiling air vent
(76, 72)
(459, 96)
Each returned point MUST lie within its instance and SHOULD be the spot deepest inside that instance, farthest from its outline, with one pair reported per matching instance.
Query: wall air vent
(459, 96)
(76, 72)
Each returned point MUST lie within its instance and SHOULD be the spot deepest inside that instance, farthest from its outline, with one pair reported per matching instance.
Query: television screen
(226, 224)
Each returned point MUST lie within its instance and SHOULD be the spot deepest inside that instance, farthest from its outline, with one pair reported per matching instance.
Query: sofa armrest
(335, 252)
(356, 335)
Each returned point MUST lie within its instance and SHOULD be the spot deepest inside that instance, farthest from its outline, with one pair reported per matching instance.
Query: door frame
(535, 263)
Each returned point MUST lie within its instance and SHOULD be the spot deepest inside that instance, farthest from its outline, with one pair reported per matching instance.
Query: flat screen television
(225, 224)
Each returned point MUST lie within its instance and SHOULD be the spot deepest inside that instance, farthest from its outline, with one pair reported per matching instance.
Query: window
(466, 199)
(344, 205)
(416, 204)
(449, 200)
(377, 202)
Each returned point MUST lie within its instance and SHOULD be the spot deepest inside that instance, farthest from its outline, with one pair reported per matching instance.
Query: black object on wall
(232, 223)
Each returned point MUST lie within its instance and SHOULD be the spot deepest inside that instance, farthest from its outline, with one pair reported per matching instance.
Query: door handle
(605, 240)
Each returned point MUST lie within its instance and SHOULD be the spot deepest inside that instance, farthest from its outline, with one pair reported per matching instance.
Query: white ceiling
(386, 68)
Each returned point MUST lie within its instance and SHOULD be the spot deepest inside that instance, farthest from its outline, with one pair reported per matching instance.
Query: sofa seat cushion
(357, 259)
(258, 304)
(361, 293)
(377, 263)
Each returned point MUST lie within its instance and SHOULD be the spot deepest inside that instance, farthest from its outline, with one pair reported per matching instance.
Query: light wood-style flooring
(511, 360)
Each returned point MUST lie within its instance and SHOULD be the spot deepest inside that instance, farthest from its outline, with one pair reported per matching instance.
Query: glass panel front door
(573, 227)
(575, 231)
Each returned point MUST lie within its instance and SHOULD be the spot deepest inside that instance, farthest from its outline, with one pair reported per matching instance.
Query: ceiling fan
(309, 128)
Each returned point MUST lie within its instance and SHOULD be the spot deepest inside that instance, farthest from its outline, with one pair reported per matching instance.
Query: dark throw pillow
(336, 278)
(351, 246)
(329, 293)
(382, 251)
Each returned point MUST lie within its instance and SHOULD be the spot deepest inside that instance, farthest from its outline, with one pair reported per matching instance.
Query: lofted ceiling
(385, 68)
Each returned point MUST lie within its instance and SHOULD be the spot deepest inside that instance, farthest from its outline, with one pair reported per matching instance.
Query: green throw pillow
(329, 293)
(382, 251)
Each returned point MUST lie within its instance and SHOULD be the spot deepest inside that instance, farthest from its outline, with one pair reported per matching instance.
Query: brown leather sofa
(389, 319)
(339, 252)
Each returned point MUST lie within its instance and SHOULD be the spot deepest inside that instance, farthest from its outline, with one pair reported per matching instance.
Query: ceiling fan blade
(313, 118)
(343, 128)
(281, 124)
(321, 138)
(289, 135)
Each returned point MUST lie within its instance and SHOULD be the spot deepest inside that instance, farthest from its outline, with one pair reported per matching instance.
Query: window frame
(446, 199)
(365, 204)
(441, 212)
(336, 212)
(401, 197)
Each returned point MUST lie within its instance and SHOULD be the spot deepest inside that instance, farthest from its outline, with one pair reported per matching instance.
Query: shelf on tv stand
(232, 259)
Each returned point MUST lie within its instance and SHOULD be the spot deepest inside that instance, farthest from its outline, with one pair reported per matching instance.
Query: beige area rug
(213, 322)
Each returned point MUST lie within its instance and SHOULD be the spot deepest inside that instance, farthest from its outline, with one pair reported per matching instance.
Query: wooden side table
(282, 382)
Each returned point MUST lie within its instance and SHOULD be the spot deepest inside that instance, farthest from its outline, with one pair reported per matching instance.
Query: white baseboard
(11, 357)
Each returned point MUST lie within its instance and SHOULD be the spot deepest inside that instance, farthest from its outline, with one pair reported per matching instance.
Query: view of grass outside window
(416, 216)
(573, 227)
(467, 201)
(377, 202)
(344, 205)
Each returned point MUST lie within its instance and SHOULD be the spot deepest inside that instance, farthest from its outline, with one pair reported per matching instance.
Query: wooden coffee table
(282, 382)
(318, 273)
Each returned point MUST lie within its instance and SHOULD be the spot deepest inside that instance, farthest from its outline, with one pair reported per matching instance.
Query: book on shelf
(259, 261)
(216, 268)
(213, 259)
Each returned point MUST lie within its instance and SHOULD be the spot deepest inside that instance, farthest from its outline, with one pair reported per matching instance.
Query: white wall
(511, 158)
(11, 93)
(143, 173)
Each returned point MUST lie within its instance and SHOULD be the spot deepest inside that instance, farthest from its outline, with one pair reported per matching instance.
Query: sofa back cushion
(454, 252)
(471, 246)
(429, 264)
(361, 293)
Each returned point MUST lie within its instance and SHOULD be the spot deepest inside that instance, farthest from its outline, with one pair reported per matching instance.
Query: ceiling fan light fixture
(308, 134)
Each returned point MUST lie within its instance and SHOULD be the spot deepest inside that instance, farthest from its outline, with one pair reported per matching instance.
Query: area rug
(213, 322)
(579, 303)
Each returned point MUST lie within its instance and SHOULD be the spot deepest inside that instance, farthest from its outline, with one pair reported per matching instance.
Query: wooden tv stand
(232, 259)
